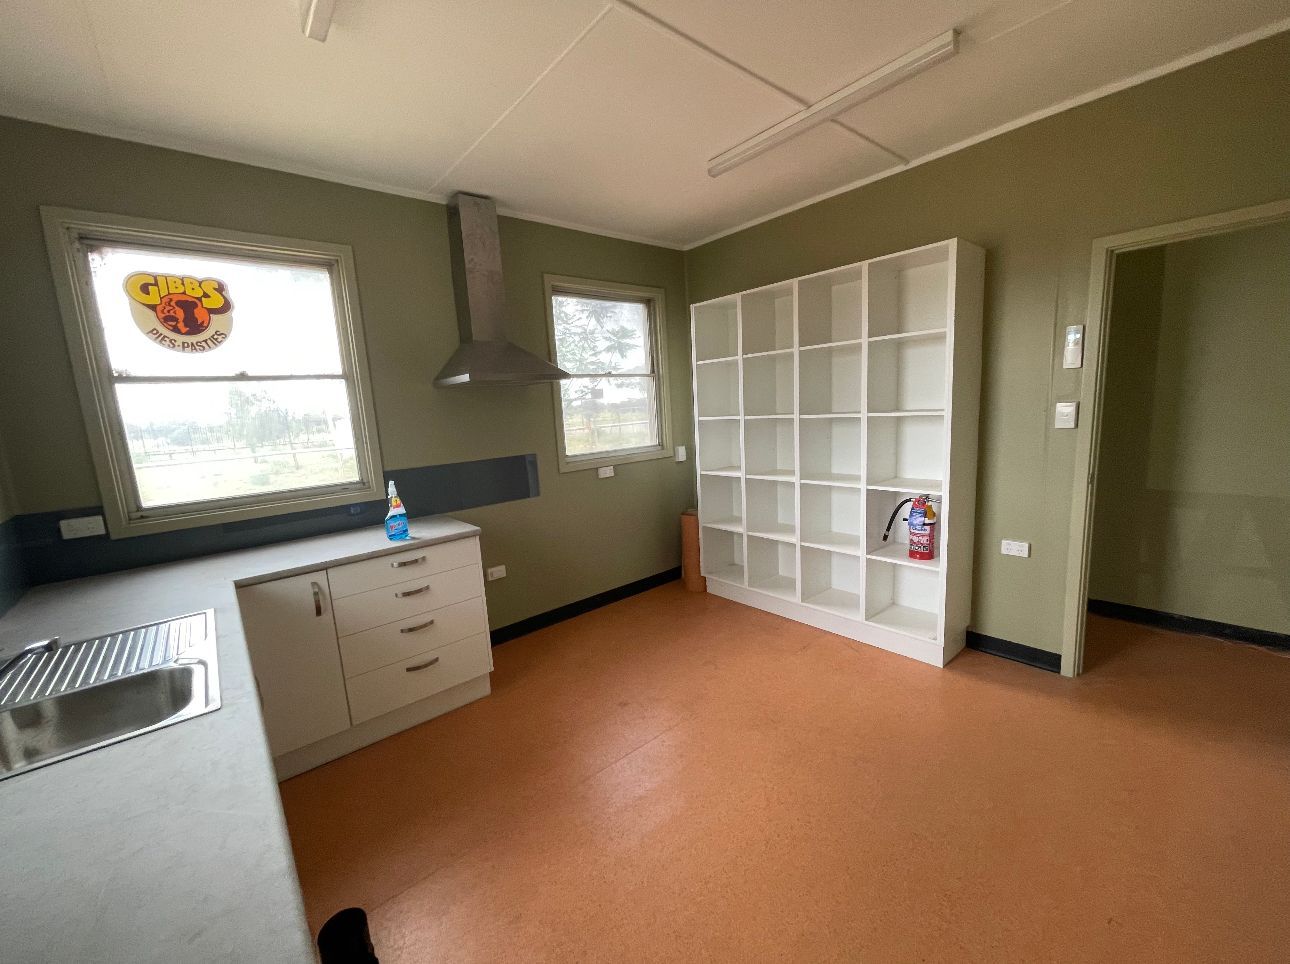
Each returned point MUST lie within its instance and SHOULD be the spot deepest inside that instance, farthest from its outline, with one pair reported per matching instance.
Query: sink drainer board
(74, 666)
(90, 694)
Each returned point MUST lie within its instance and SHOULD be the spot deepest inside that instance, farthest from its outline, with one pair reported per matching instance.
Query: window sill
(614, 458)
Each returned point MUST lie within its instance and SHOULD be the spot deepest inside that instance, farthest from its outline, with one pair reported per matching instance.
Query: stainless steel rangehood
(485, 356)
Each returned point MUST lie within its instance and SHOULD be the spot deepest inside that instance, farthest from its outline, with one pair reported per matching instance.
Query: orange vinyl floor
(676, 777)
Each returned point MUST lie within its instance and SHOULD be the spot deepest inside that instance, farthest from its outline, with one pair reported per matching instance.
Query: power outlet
(1012, 548)
(85, 526)
(605, 472)
(495, 572)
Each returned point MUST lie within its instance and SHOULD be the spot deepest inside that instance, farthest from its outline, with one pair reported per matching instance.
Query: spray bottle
(396, 520)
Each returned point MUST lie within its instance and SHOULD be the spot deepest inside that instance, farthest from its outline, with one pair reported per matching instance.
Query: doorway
(1183, 473)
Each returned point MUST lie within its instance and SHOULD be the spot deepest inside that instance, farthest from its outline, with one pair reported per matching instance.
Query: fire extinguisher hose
(892, 521)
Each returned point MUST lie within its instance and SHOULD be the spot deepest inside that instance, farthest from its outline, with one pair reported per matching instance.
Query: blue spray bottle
(396, 520)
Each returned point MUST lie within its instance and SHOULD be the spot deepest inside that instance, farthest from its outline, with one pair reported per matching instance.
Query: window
(609, 338)
(222, 376)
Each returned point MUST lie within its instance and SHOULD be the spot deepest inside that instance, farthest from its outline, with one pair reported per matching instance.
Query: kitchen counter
(170, 846)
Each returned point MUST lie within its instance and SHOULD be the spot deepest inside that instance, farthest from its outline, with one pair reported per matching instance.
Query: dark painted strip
(1018, 652)
(13, 574)
(561, 613)
(1189, 624)
(428, 490)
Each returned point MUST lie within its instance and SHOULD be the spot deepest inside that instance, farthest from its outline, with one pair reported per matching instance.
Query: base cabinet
(348, 655)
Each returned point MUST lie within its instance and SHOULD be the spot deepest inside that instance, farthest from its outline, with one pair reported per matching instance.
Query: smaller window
(609, 338)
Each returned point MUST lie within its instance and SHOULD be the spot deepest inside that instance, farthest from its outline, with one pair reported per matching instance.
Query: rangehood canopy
(485, 356)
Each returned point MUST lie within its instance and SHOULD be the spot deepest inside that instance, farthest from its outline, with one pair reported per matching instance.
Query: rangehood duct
(485, 356)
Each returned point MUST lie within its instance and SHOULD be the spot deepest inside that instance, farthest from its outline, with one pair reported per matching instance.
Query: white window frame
(67, 235)
(657, 312)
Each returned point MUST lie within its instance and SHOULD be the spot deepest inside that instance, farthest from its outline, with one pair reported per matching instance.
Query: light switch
(681, 454)
(605, 472)
(1067, 415)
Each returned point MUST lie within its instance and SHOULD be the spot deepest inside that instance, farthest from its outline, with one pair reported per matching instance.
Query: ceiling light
(315, 19)
(871, 84)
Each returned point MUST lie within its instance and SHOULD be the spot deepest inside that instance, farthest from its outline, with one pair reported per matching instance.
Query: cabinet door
(292, 640)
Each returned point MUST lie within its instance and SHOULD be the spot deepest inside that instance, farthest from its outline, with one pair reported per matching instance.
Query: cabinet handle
(317, 590)
(428, 663)
(407, 562)
(419, 626)
(412, 592)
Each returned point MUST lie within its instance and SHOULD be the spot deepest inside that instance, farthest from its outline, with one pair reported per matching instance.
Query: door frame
(1089, 431)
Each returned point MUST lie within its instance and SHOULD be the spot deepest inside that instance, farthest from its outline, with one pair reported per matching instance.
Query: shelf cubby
(903, 599)
(719, 447)
(716, 330)
(910, 448)
(896, 548)
(831, 451)
(831, 581)
(722, 554)
(721, 502)
(772, 567)
(768, 385)
(831, 307)
(831, 380)
(717, 388)
(767, 319)
(833, 518)
(770, 447)
(909, 292)
(907, 374)
(772, 512)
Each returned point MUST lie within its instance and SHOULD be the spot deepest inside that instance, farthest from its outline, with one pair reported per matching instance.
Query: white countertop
(171, 846)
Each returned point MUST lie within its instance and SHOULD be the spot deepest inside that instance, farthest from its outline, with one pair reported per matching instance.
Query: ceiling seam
(677, 34)
(528, 90)
(88, 22)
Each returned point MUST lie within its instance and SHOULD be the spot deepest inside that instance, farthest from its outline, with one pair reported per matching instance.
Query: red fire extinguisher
(922, 527)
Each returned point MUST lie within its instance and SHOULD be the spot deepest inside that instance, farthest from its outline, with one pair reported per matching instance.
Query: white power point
(86, 525)
(495, 572)
(681, 454)
(1013, 548)
(1066, 415)
(605, 472)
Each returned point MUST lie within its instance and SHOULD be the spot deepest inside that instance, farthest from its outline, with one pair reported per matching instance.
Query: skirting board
(924, 651)
(1189, 624)
(552, 616)
(365, 734)
(1017, 652)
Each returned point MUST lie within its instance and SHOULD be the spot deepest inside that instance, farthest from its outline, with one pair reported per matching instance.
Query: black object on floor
(344, 939)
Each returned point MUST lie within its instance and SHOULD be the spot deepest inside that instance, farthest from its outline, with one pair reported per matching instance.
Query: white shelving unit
(821, 403)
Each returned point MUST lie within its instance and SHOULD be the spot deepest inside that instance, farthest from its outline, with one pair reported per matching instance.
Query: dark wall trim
(425, 490)
(561, 613)
(1018, 652)
(1189, 624)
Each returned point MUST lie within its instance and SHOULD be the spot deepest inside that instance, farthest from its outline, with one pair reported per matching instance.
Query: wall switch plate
(1067, 415)
(605, 472)
(1073, 352)
(86, 525)
(1012, 548)
(495, 572)
(681, 454)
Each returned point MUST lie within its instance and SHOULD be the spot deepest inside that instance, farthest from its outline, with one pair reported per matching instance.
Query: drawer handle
(428, 663)
(412, 592)
(419, 626)
(407, 562)
(317, 591)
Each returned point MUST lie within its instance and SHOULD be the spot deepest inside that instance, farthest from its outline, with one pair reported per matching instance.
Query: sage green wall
(1193, 491)
(1210, 138)
(580, 537)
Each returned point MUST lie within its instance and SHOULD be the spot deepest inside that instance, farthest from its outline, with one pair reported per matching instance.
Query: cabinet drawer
(401, 566)
(409, 680)
(374, 648)
(376, 607)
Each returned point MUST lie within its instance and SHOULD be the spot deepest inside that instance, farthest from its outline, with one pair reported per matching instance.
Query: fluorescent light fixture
(871, 84)
(315, 18)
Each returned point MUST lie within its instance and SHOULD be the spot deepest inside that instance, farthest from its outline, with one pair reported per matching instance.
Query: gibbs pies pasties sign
(179, 312)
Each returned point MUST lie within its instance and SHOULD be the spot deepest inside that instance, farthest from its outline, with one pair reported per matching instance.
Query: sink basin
(90, 694)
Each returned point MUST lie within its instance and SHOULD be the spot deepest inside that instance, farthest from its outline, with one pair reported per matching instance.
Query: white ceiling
(596, 114)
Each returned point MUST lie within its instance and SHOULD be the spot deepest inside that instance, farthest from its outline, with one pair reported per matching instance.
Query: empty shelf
(899, 484)
(834, 478)
(837, 601)
(898, 553)
(732, 574)
(844, 542)
(774, 475)
(780, 533)
(785, 586)
(911, 335)
(733, 470)
(907, 620)
(913, 412)
(728, 523)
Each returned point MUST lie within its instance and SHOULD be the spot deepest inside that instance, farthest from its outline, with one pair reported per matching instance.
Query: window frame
(653, 298)
(68, 232)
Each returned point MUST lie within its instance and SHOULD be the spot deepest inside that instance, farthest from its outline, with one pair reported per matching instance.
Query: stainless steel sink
(77, 697)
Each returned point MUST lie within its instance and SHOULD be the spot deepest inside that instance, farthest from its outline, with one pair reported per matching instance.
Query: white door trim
(1089, 432)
